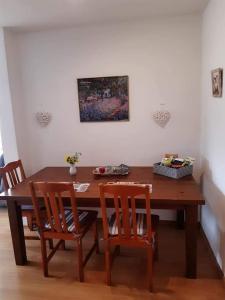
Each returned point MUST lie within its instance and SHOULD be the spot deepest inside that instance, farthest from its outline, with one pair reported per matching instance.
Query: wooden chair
(12, 174)
(126, 226)
(63, 222)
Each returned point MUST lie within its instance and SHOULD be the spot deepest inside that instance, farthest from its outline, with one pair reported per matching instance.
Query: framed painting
(103, 99)
(217, 82)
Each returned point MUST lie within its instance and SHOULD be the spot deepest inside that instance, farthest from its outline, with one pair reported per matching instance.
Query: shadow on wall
(222, 250)
(213, 214)
(2, 163)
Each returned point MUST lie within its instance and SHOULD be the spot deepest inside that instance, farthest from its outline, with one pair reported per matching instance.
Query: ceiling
(41, 14)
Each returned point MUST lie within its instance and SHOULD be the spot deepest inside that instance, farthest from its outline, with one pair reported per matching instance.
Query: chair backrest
(124, 200)
(53, 195)
(12, 174)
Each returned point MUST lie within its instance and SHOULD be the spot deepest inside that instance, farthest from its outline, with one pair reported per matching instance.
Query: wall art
(217, 82)
(103, 99)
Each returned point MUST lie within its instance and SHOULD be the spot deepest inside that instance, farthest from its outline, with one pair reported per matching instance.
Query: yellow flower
(72, 159)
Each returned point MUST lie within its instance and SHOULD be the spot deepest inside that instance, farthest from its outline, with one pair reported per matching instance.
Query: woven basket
(172, 172)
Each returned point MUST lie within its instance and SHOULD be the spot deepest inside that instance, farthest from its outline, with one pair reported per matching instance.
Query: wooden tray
(113, 170)
(95, 172)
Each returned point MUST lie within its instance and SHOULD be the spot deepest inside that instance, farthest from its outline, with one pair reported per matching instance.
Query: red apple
(102, 170)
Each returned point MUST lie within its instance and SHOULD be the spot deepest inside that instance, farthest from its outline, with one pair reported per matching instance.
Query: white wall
(213, 125)
(7, 124)
(161, 58)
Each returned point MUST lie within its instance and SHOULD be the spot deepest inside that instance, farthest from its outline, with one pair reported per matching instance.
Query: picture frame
(103, 98)
(217, 82)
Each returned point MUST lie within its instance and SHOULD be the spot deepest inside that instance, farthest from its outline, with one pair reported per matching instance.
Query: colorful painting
(217, 82)
(103, 99)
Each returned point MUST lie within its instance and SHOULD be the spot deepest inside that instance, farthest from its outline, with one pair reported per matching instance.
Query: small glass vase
(73, 169)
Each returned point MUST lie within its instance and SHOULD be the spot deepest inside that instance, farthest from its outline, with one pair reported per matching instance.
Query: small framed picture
(217, 82)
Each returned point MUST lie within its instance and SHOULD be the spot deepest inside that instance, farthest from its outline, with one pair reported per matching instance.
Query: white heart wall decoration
(43, 118)
(161, 117)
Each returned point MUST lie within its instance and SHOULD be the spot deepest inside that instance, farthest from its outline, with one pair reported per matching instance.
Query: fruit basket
(174, 167)
(172, 172)
(111, 170)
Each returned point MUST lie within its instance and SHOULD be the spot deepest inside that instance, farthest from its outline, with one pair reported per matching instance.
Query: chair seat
(30, 207)
(27, 207)
(141, 224)
(86, 217)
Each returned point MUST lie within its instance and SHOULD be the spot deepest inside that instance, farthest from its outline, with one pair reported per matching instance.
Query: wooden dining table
(182, 194)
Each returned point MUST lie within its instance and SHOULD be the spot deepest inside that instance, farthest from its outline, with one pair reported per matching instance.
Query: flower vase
(73, 169)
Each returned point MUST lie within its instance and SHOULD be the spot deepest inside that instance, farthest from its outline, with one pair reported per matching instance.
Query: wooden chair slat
(55, 212)
(62, 212)
(5, 181)
(39, 219)
(74, 210)
(48, 210)
(125, 215)
(148, 213)
(17, 177)
(22, 173)
(12, 182)
(104, 213)
(134, 218)
(118, 215)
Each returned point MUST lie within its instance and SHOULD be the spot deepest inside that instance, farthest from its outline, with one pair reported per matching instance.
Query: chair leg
(44, 257)
(156, 248)
(149, 266)
(30, 222)
(80, 260)
(63, 245)
(50, 243)
(96, 237)
(108, 264)
(117, 250)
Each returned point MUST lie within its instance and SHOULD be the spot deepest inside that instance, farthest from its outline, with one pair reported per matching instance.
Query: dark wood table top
(166, 191)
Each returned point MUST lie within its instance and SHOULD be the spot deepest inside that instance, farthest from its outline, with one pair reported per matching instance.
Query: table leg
(191, 240)
(17, 234)
(180, 219)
